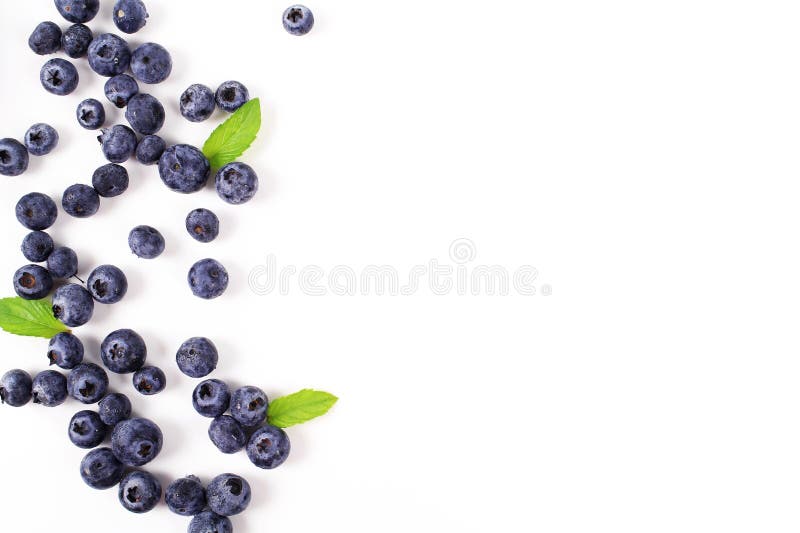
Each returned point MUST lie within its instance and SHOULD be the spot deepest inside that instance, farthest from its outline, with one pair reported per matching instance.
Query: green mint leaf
(235, 135)
(299, 407)
(31, 318)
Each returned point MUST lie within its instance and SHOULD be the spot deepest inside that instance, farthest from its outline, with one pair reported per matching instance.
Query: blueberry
(41, 139)
(101, 470)
(150, 149)
(63, 263)
(45, 39)
(145, 114)
(151, 63)
(114, 408)
(211, 398)
(139, 492)
(236, 183)
(197, 103)
(202, 225)
(36, 211)
(109, 55)
(136, 441)
(59, 77)
(208, 279)
(184, 168)
(76, 40)
(120, 89)
(186, 496)
(32, 282)
(268, 447)
(107, 284)
(16, 388)
(149, 380)
(110, 180)
(197, 357)
(130, 16)
(91, 114)
(37, 246)
(49, 388)
(123, 351)
(118, 142)
(249, 406)
(86, 430)
(228, 494)
(298, 20)
(65, 350)
(78, 10)
(13, 157)
(87, 383)
(80, 201)
(231, 95)
(73, 305)
(227, 434)
(146, 242)
(210, 522)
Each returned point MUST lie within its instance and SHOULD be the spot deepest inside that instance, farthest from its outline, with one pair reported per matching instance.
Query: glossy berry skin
(231, 95)
(208, 279)
(118, 143)
(249, 406)
(227, 434)
(41, 139)
(145, 114)
(37, 246)
(136, 441)
(109, 55)
(146, 242)
(36, 211)
(120, 89)
(123, 351)
(298, 20)
(228, 494)
(186, 496)
(73, 305)
(197, 357)
(91, 114)
(101, 470)
(32, 282)
(236, 183)
(76, 40)
(107, 284)
(110, 180)
(151, 63)
(150, 149)
(13, 157)
(65, 350)
(139, 492)
(80, 201)
(63, 263)
(45, 39)
(197, 103)
(87, 383)
(149, 380)
(130, 16)
(211, 398)
(49, 388)
(202, 225)
(78, 10)
(268, 447)
(210, 522)
(184, 168)
(114, 408)
(59, 77)
(16, 388)
(86, 430)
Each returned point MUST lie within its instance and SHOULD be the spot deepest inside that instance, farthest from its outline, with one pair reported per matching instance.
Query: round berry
(59, 77)
(76, 40)
(32, 282)
(49, 388)
(298, 20)
(149, 380)
(228, 494)
(236, 183)
(197, 357)
(100, 469)
(73, 305)
(211, 398)
(231, 95)
(107, 284)
(202, 225)
(268, 447)
(110, 180)
(87, 383)
(45, 39)
(114, 408)
(63, 263)
(16, 388)
(80, 201)
(208, 279)
(86, 430)
(146, 242)
(120, 89)
(37, 246)
(41, 139)
(65, 350)
(139, 492)
(13, 157)
(197, 103)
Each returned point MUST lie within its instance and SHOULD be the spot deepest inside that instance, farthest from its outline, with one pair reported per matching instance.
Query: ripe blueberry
(120, 89)
(107, 284)
(123, 351)
(151, 63)
(298, 20)
(87, 383)
(37, 246)
(114, 408)
(13, 157)
(197, 103)
(146, 242)
(184, 168)
(186, 496)
(249, 406)
(130, 16)
(59, 77)
(63, 263)
(197, 357)
(36, 211)
(100, 469)
(236, 183)
(149, 380)
(110, 180)
(73, 305)
(231, 95)
(32, 282)
(211, 398)
(203, 225)
(80, 201)
(268, 447)
(118, 143)
(16, 388)
(41, 139)
(228, 494)
(76, 40)
(136, 441)
(49, 388)
(78, 10)
(86, 430)
(45, 39)
(150, 149)
(145, 114)
(210, 522)
(91, 114)
(65, 350)
(109, 55)
(227, 434)
(208, 279)
(139, 492)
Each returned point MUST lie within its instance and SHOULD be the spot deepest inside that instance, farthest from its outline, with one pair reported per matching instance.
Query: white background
(641, 155)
